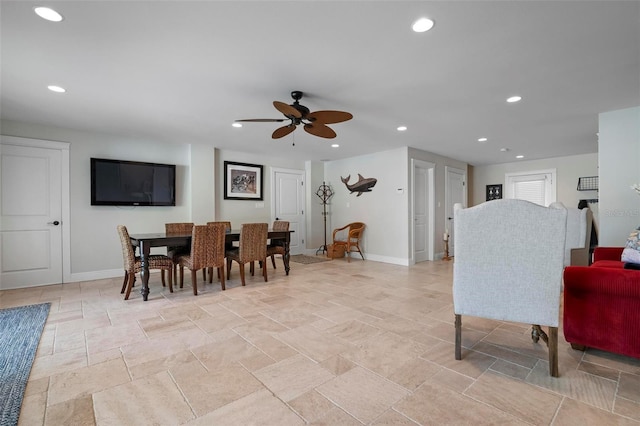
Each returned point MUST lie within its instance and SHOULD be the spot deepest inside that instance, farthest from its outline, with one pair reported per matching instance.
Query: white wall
(568, 170)
(383, 210)
(245, 211)
(619, 149)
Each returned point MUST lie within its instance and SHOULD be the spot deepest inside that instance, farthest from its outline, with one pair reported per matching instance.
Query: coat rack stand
(324, 192)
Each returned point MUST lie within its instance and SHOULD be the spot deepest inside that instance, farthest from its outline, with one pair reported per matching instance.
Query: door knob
(55, 223)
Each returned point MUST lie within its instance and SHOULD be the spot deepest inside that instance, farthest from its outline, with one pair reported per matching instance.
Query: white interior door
(30, 216)
(422, 210)
(288, 204)
(456, 192)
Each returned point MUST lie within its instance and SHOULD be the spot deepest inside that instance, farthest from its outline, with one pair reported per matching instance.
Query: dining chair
(352, 241)
(207, 251)
(132, 264)
(227, 225)
(277, 246)
(177, 228)
(252, 248)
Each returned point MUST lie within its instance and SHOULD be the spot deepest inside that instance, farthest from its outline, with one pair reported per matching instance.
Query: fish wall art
(362, 185)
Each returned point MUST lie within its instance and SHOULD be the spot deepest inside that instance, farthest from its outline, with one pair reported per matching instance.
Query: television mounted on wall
(132, 183)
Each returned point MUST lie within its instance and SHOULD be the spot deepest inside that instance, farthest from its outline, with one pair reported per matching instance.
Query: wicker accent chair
(132, 264)
(178, 228)
(253, 247)
(501, 273)
(354, 235)
(277, 246)
(207, 251)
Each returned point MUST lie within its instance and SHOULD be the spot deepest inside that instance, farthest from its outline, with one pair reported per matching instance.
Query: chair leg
(458, 323)
(130, 279)
(204, 274)
(241, 272)
(553, 351)
(221, 275)
(273, 261)
(194, 281)
(170, 273)
(124, 282)
(210, 271)
(181, 275)
(228, 268)
(264, 270)
(162, 277)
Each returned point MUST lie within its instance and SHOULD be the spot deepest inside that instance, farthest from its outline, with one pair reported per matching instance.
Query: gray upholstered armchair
(578, 241)
(508, 267)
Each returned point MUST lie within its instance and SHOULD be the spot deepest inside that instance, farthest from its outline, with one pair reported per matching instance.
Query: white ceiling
(180, 71)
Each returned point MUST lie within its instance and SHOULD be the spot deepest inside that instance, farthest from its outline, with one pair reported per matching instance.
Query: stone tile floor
(333, 343)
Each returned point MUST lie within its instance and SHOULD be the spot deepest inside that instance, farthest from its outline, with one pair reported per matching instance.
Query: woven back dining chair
(207, 251)
(133, 265)
(277, 246)
(177, 228)
(252, 248)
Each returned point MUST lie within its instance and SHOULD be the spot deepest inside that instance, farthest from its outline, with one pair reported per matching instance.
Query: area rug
(20, 331)
(306, 260)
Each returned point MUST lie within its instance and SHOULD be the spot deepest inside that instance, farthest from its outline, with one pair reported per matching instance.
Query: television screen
(131, 183)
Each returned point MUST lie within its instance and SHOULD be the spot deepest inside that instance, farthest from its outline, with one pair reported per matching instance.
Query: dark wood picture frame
(243, 181)
(494, 192)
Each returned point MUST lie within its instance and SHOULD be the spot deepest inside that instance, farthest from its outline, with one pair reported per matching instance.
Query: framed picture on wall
(494, 192)
(242, 181)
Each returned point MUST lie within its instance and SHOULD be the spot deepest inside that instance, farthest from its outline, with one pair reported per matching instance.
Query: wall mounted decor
(242, 181)
(494, 192)
(362, 185)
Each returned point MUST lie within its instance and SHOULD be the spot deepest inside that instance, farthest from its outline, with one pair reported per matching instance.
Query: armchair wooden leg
(170, 273)
(273, 261)
(228, 268)
(181, 275)
(458, 350)
(162, 277)
(553, 351)
(194, 281)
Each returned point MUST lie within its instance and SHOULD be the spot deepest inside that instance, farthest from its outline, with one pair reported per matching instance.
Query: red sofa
(602, 304)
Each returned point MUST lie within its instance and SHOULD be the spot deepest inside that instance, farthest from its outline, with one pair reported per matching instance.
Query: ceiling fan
(314, 123)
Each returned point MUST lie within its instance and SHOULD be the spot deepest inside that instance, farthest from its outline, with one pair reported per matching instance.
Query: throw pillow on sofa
(631, 252)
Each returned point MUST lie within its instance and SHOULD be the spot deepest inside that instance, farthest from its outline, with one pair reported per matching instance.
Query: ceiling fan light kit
(314, 123)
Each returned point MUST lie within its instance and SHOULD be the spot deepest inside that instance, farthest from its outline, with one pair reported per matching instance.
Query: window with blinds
(537, 187)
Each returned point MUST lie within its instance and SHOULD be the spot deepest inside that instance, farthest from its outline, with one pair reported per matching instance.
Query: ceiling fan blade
(319, 129)
(283, 131)
(287, 110)
(263, 120)
(329, 117)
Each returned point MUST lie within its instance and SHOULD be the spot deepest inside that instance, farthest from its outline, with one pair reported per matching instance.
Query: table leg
(145, 249)
(285, 257)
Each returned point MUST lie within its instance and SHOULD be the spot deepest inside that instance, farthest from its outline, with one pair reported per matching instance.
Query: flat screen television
(132, 183)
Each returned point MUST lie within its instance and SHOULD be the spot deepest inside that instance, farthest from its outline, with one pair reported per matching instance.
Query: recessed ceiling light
(513, 99)
(422, 25)
(56, 89)
(482, 140)
(236, 124)
(48, 14)
(504, 149)
(335, 145)
(519, 156)
(402, 128)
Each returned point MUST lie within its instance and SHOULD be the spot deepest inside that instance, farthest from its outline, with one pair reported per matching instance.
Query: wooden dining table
(145, 241)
